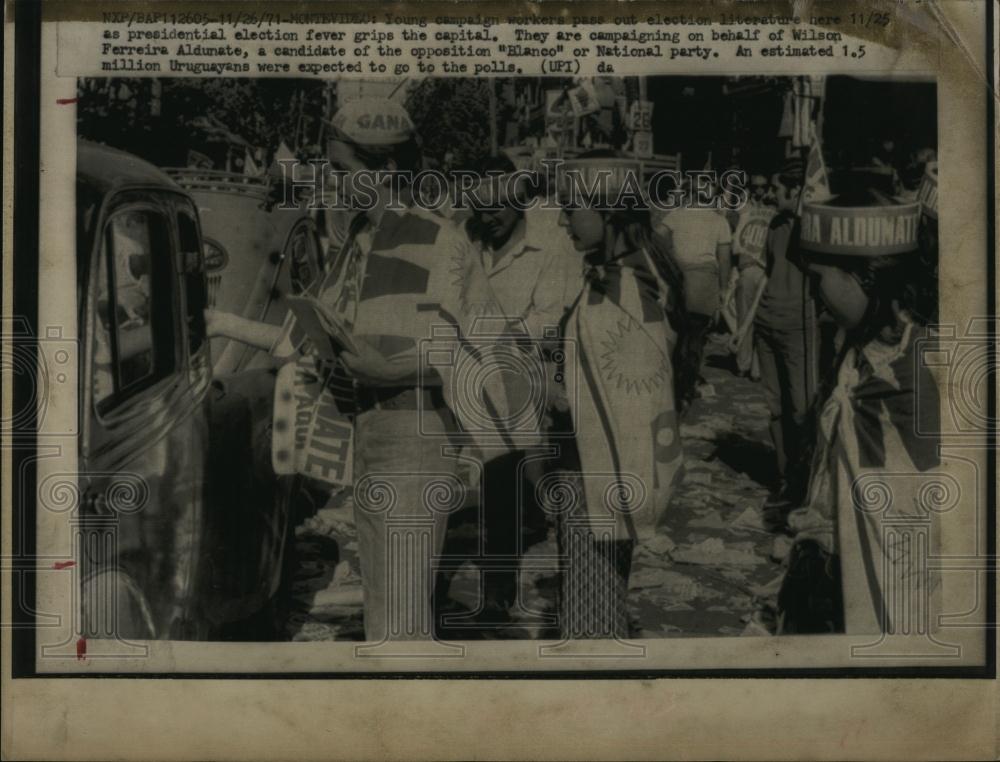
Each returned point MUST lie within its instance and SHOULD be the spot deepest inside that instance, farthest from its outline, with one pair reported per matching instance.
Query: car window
(133, 345)
(196, 291)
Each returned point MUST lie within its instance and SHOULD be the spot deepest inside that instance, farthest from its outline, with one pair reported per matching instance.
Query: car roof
(100, 172)
(105, 169)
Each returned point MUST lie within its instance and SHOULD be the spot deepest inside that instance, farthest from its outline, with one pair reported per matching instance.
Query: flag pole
(809, 317)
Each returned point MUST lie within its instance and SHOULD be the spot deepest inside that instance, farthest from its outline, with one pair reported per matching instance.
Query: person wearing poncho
(856, 564)
(619, 470)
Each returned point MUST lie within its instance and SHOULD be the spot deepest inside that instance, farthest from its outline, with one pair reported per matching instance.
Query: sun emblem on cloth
(630, 360)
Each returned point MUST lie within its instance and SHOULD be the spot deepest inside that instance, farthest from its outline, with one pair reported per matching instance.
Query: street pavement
(707, 572)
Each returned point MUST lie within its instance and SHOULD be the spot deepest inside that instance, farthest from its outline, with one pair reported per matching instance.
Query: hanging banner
(559, 115)
(750, 235)
(869, 231)
(583, 99)
(311, 436)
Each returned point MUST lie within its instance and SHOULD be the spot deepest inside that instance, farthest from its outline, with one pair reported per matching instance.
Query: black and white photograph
(682, 381)
(550, 381)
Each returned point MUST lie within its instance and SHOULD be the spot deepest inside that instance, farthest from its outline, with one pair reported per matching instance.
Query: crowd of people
(617, 304)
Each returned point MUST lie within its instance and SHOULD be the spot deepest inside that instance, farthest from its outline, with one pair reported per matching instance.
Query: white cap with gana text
(373, 122)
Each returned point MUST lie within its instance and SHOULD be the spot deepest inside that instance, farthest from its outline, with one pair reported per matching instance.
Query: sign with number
(640, 116)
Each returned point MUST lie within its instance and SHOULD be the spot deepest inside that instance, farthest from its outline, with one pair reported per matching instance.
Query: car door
(246, 516)
(143, 447)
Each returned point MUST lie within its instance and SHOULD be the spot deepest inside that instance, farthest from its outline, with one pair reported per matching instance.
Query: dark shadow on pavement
(747, 456)
(722, 362)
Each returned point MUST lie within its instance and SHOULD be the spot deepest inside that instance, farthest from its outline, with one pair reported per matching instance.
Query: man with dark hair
(534, 273)
(782, 327)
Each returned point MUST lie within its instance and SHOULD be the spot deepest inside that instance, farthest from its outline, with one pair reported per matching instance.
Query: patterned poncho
(621, 395)
(873, 484)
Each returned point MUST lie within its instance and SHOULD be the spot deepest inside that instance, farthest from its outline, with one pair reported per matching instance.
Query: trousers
(783, 373)
(405, 486)
(509, 509)
(746, 287)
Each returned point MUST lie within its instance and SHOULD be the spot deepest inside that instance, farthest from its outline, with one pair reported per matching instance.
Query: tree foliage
(452, 115)
(161, 119)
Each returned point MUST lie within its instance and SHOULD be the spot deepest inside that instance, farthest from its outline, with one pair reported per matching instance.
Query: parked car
(185, 525)
(256, 252)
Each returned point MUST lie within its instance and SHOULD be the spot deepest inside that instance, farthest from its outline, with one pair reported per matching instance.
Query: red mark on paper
(81, 649)
(63, 564)
(65, 101)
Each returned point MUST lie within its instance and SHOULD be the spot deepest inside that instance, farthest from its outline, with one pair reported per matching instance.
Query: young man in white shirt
(702, 247)
(535, 274)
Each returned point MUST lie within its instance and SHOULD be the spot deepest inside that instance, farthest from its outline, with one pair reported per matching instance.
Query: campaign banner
(871, 231)
(559, 116)
(583, 99)
(750, 235)
(310, 435)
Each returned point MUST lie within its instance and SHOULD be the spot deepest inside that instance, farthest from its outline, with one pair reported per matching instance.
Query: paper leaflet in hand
(436, 304)
(327, 334)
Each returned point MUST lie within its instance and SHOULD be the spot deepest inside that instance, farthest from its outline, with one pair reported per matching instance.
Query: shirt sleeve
(777, 243)
(559, 283)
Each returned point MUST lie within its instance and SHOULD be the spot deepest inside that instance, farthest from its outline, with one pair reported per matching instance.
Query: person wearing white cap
(397, 272)
(864, 535)
(376, 129)
(702, 246)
